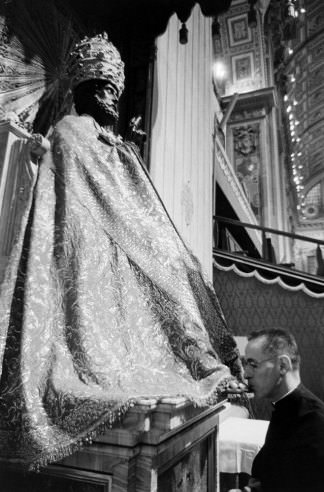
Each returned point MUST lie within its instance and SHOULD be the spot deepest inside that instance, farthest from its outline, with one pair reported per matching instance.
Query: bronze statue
(103, 303)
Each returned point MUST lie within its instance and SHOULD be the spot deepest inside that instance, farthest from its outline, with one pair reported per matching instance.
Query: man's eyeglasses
(255, 364)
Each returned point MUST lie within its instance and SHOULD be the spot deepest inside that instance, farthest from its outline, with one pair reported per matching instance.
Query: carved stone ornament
(244, 140)
(247, 163)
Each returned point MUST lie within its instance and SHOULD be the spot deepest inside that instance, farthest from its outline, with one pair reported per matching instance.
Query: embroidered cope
(102, 303)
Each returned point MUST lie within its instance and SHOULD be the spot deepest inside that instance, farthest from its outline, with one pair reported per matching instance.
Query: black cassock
(292, 458)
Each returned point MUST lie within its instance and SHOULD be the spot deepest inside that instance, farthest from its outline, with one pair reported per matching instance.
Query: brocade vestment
(102, 303)
(292, 458)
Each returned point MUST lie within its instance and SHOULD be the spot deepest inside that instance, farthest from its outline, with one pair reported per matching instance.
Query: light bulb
(219, 70)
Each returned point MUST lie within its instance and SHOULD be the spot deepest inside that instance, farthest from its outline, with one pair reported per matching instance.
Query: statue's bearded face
(106, 102)
(99, 99)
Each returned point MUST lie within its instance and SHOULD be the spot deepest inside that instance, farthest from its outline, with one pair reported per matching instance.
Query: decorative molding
(255, 100)
(83, 477)
(247, 116)
(242, 67)
(317, 225)
(243, 50)
(239, 31)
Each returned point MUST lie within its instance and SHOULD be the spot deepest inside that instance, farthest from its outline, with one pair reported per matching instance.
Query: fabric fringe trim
(110, 418)
(276, 280)
(106, 423)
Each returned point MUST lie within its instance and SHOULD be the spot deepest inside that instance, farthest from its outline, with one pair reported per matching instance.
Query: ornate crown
(97, 58)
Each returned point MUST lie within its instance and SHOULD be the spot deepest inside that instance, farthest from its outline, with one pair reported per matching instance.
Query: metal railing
(226, 230)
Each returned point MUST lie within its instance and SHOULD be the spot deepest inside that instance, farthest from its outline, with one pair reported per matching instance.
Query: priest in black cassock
(292, 458)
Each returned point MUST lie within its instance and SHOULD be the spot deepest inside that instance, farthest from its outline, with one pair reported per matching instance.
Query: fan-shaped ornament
(35, 43)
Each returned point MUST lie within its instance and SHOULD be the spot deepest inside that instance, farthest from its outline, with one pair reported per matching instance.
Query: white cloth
(239, 441)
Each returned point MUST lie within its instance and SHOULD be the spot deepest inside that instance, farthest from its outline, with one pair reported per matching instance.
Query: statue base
(166, 446)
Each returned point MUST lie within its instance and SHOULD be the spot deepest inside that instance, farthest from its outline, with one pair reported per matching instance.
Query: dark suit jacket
(292, 458)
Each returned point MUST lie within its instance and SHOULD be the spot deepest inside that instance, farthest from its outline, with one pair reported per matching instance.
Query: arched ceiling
(299, 65)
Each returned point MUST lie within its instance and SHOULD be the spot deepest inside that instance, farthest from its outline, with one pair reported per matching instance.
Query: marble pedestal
(164, 447)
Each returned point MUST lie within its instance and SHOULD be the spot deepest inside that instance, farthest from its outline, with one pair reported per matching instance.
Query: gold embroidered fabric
(102, 304)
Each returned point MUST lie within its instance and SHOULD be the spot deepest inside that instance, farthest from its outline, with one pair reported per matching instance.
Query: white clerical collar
(284, 396)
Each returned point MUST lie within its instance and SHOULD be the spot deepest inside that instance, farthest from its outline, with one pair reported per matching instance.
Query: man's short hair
(278, 342)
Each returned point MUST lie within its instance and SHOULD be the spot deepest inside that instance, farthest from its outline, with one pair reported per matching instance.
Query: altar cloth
(240, 440)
